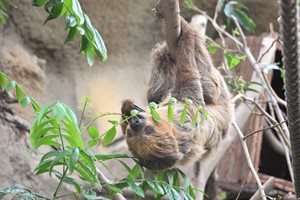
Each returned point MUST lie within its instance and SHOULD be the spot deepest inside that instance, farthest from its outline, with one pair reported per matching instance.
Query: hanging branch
(169, 12)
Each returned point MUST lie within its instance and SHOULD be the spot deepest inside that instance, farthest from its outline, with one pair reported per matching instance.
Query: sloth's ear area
(127, 106)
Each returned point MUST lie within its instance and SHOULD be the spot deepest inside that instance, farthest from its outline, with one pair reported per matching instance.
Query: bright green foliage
(237, 9)
(234, 60)
(56, 125)
(153, 106)
(76, 23)
(234, 82)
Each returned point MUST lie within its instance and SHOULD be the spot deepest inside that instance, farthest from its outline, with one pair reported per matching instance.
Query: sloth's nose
(137, 124)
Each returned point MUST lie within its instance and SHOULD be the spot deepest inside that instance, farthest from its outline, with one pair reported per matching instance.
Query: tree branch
(169, 11)
(250, 164)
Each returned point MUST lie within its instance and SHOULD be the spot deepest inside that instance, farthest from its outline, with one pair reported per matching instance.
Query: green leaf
(233, 61)
(84, 43)
(2, 80)
(93, 131)
(155, 114)
(12, 189)
(244, 20)
(72, 34)
(195, 119)
(93, 143)
(25, 101)
(88, 160)
(100, 46)
(125, 166)
(212, 48)
(57, 10)
(70, 114)
(251, 90)
(43, 167)
(155, 187)
(104, 157)
(255, 83)
(59, 112)
(135, 172)
(11, 85)
(88, 28)
(137, 190)
(57, 159)
(73, 159)
(45, 140)
(85, 173)
(113, 122)
(205, 114)
(134, 112)
(159, 176)
(220, 5)
(72, 181)
(185, 178)
(49, 155)
(170, 177)
(2, 6)
(90, 55)
(236, 9)
(10, 3)
(171, 192)
(38, 3)
(109, 136)
(183, 116)
(282, 73)
(113, 189)
(35, 105)
(186, 195)
(170, 114)
(78, 11)
(70, 21)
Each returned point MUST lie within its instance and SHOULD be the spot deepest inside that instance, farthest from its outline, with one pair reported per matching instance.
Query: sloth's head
(152, 143)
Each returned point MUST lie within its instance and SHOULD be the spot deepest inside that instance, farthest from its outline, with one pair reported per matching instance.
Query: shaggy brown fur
(161, 145)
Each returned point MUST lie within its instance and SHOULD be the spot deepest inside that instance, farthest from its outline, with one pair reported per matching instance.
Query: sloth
(191, 75)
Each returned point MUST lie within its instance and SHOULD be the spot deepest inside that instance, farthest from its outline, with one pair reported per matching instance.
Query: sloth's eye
(148, 129)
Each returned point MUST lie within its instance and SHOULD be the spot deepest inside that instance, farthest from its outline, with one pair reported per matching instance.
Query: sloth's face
(152, 143)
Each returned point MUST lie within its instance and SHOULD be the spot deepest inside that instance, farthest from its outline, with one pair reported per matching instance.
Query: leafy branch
(56, 125)
(76, 22)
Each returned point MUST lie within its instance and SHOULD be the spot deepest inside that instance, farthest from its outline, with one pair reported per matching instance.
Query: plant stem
(65, 169)
(60, 183)
(83, 110)
(101, 115)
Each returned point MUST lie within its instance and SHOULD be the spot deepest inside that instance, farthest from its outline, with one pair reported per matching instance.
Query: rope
(289, 20)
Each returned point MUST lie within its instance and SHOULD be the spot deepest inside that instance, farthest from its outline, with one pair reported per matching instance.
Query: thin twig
(258, 71)
(278, 99)
(250, 164)
(261, 130)
(217, 27)
(262, 55)
(285, 142)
